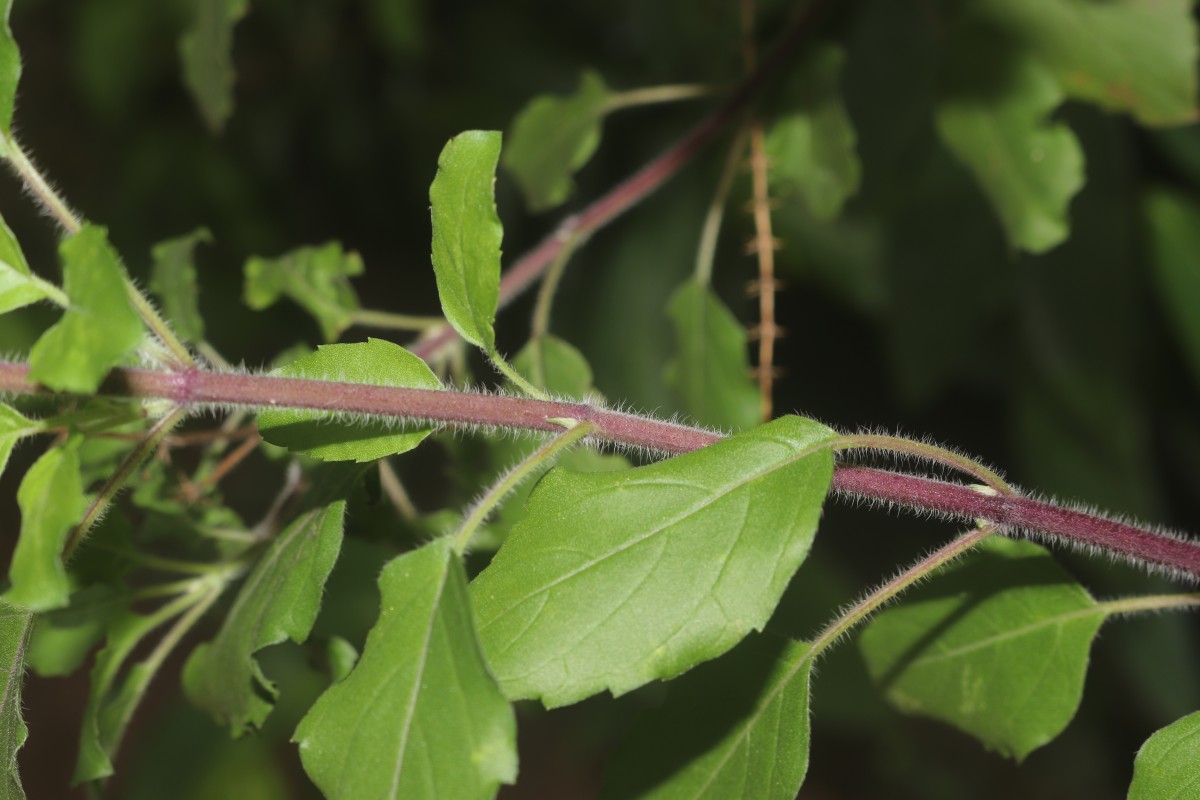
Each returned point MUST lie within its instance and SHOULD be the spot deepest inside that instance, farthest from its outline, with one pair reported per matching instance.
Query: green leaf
(10, 76)
(316, 278)
(1137, 56)
(811, 144)
(1174, 244)
(62, 639)
(616, 579)
(712, 372)
(467, 235)
(173, 278)
(52, 502)
(101, 325)
(206, 50)
(341, 656)
(735, 728)
(993, 115)
(17, 285)
(13, 427)
(15, 626)
(555, 366)
(1168, 765)
(552, 137)
(375, 362)
(996, 645)
(420, 716)
(279, 600)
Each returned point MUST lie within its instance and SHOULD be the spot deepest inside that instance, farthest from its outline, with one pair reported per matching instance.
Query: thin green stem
(1152, 602)
(658, 94)
(397, 322)
(513, 478)
(707, 250)
(213, 357)
(52, 292)
(545, 299)
(168, 564)
(394, 489)
(40, 188)
(506, 369)
(930, 452)
(180, 356)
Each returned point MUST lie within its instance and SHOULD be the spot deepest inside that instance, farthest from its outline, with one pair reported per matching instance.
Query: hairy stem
(658, 94)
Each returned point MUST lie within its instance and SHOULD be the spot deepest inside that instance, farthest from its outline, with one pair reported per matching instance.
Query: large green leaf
(1127, 55)
(101, 325)
(993, 115)
(173, 278)
(712, 372)
(316, 278)
(996, 645)
(735, 728)
(811, 143)
(1174, 242)
(206, 49)
(10, 73)
(376, 362)
(467, 234)
(420, 715)
(13, 426)
(279, 600)
(616, 579)
(1168, 765)
(15, 625)
(17, 287)
(554, 136)
(52, 502)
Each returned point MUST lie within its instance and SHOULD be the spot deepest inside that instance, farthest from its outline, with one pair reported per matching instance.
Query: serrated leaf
(1137, 56)
(1168, 765)
(996, 646)
(735, 728)
(712, 372)
(101, 325)
(279, 600)
(811, 144)
(13, 426)
(316, 278)
(993, 115)
(10, 75)
(51, 500)
(1174, 245)
(17, 287)
(613, 580)
(206, 50)
(555, 366)
(467, 234)
(15, 625)
(375, 362)
(420, 716)
(173, 279)
(552, 137)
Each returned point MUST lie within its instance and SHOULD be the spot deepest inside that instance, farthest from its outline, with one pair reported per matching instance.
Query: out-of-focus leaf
(694, 554)
(342, 657)
(1168, 765)
(52, 502)
(375, 362)
(13, 426)
(993, 115)
(811, 143)
(735, 728)
(279, 600)
(1174, 225)
(173, 279)
(10, 75)
(62, 639)
(15, 625)
(101, 325)
(206, 50)
(317, 278)
(1137, 56)
(420, 716)
(996, 646)
(398, 24)
(552, 137)
(17, 287)
(467, 234)
(712, 372)
(556, 366)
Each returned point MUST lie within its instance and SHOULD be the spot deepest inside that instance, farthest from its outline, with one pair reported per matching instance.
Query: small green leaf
(616, 579)
(173, 278)
(555, 366)
(996, 645)
(15, 625)
(554, 136)
(10, 76)
(316, 278)
(375, 362)
(101, 325)
(993, 115)
(52, 502)
(13, 426)
(62, 639)
(1174, 244)
(734, 728)
(420, 716)
(206, 49)
(811, 144)
(467, 235)
(1168, 765)
(342, 656)
(279, 600)
(712, 373)
(17, 286)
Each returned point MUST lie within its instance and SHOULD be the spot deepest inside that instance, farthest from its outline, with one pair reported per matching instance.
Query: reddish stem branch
(1012, 512)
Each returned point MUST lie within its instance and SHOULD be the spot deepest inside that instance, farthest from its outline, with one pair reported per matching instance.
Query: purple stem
(1012, 512)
